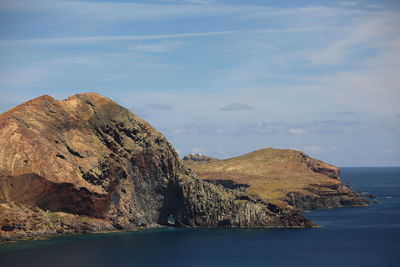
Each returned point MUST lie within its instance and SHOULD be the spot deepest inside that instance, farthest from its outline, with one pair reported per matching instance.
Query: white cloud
(162, 47)
(201, 2)
(128, 11)
(320, 127)
(388, 151)
(297, 131)
(236, 107)
(157, 48)
(156, 106)
(41, 71)
(349, 3)
(372, 89)
(178, 131)
(366, 32)
(78, 60)
(318, 149)
(95, 39)
(353, 66)
(297, 29)
(198, 129)
(111, 12)
(200, 150)
(312, 149)
(332, 55)
(22, 76)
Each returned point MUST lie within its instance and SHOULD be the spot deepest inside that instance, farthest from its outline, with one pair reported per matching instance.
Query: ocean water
(348, 237)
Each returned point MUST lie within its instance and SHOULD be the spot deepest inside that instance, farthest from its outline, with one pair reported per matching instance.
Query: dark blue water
(348, 237)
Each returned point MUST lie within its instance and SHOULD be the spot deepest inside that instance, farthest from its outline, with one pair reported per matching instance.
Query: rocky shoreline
(337, 200)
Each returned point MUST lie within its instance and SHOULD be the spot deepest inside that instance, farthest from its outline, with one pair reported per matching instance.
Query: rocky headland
(287, 178)
(86, 164)
(198, 157)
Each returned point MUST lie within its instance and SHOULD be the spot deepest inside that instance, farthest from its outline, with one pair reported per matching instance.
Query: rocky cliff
(87, 164)
(284, 177)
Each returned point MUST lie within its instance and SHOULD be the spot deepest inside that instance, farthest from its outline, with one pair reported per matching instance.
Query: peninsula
(287, 178)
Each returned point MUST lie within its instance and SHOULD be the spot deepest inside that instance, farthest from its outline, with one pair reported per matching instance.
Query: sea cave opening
(171, 220)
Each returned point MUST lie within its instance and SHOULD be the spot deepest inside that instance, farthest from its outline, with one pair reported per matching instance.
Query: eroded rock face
(88, 156)
(18, 221)
(208, 205)
(321, 198)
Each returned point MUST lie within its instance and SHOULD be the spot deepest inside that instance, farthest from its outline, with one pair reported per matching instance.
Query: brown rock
(90, 157)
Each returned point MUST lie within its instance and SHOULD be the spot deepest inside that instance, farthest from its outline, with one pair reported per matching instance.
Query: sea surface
(348, 237)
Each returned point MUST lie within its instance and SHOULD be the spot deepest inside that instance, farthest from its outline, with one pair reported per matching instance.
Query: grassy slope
(271, 173)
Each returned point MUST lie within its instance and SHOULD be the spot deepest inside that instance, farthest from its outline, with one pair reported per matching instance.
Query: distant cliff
(87, 164)
(284, 177)
(198, 157)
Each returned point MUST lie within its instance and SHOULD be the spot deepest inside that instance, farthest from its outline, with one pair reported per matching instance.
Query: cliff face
(90, 158)
(284, 177)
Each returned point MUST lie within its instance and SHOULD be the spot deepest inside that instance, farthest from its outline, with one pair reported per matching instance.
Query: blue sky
(221, 77)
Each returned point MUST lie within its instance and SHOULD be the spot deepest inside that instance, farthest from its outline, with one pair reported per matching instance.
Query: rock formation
(87, 164)
(198, 157)
(283, 177)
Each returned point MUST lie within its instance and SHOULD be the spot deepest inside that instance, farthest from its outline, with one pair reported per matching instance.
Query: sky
(221, 78)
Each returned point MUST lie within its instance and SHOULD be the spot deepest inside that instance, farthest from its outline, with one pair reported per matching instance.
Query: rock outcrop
(87, 164)
(283, 177)
(198, 157)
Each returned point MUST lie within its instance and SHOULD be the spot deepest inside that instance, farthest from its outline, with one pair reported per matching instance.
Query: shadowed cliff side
(91, 159)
